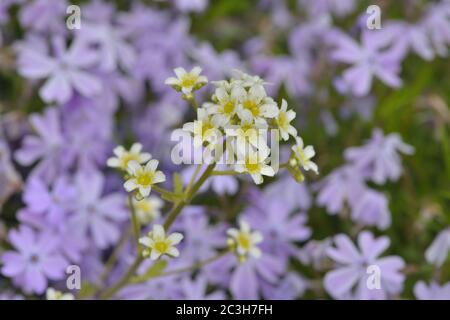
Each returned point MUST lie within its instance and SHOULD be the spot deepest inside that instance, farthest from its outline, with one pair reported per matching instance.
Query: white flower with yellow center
(187, 82)
(52, 294)
(254, 163)
(249, 134)
(202, 129)
(284, 122)
(148, 209)
(143, 177)
(244, 241)
(256, 105)
(157, 244)
(301, 156)
(226, 106)
(122, 156)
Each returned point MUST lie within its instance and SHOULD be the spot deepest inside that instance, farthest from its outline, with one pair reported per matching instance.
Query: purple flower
(52, 202)
(314, 253)
(36, 260)
(47, 145)
(437, 252)
(65, 72)
(368, 59)
(379, 158)
(191, 289)
(372, 209)
(290, 287)
(320, 7)
(191, 5)
(354, 268)
(437, 24)
(44, 15)
(96, 215)
(344, 185)
(432, 292)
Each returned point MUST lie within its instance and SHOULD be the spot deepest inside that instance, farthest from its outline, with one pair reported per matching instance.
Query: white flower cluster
(141, 169)
(241, 116)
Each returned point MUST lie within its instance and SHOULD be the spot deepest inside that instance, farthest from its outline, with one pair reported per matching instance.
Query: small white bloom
(254, 163)
(250, 134)
(143, 177)
(53, 294)
(256, 105)
(123, 156)
(203, 129)
(158, 244)
(148, 210)
(284, 122)
(187, 82)
(302, 156)
(244, 241)
(226, 106)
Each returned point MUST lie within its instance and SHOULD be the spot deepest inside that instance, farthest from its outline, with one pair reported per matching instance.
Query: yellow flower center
(127, 157)
(188, 80)
(252, 166)
(145, 179)
(145, 206)
(282, 120)
(206, 125)
(243, 240)
(228, 108)
(161, 246)
(252, 106)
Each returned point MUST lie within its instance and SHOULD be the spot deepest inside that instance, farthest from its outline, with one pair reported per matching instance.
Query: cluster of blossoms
(67, 97)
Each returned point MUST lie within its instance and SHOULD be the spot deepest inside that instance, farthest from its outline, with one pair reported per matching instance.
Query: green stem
(165, 193)
(108, 293)
(134, 221)
(224, 173)
(193, 267)
(190, 194)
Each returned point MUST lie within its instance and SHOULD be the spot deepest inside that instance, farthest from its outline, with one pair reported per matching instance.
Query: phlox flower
(35, 260)
(437, 252)
(372, 209)
(196, 289)
(65, 72)
(158, 244)
(244, 241)
(122, 156)
(432, 292)
(143, 177)
(379, 159)
(187, 82)
(350, 278)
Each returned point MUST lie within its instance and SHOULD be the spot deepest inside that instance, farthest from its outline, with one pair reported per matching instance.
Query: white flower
(284, 122)
(143, 177)
(158, 244)
(123, 156)
(254, 163)
(249, 134)
(226, 106)
(244, 240)
(53, 294)
(302, 156)
(202, 129)
(256, 105)
(148, 210)
(187, 82)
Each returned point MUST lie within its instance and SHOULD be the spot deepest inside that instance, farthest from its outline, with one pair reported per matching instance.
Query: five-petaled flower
(142, 177)
(122, 156)
(244, 241)
(187, 82)
(148, 210)
(302, 155)
(158, 244)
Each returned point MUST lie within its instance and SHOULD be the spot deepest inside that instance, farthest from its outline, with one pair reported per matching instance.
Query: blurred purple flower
(46, 16)
(432, 292)
(353, 268)
(379, 158)
(437, 252)
(372, 209)
(191, 289)
(191, 5)
(36, 260)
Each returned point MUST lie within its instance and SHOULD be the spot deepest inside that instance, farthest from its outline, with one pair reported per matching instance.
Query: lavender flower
(432, 292)
(437, 252)
(36, 260)
(351, 277)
